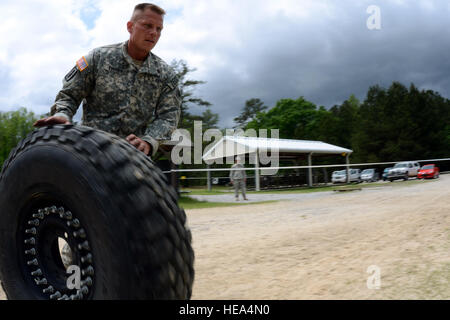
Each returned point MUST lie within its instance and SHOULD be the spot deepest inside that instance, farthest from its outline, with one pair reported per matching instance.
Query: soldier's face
(146, 30)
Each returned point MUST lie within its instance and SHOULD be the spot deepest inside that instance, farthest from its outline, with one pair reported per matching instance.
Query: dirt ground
(321, 247)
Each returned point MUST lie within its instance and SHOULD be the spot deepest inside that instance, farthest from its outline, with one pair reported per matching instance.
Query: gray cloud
(328, 58)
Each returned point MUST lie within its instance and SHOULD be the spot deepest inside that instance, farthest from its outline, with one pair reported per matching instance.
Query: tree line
(397, 123)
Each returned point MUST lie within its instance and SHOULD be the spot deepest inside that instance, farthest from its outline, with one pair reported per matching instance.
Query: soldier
(125, 89)
(238, 178)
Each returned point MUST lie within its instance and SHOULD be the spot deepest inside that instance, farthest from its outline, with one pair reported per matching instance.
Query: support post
(325, 175)
(347, 162)
(257, 185)
(297, 164)
(310, 181)
(174, 177)
(208, 178)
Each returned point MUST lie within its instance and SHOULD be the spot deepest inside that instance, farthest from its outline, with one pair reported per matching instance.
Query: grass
(226, 190)
(202, 192)
(189, 203)
(220, 190)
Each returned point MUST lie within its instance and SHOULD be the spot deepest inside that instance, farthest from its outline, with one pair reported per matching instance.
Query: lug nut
(57, 295)
(32, 231)
(38, 272)
(87, 282)
(64, 297)
(74, 223)
(53, 209)
(47, 211)
(84, 245)
(88, 271)
(41, 281)
(33, 262)
(30, 241)
(34, 222)
(87, 258)
(84, 290)
(39, 215)
(67, 215)
(77, 296)
(80, 233)
(49, 289)
(32, 251)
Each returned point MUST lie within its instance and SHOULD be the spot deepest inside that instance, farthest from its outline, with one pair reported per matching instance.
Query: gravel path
(320, 246)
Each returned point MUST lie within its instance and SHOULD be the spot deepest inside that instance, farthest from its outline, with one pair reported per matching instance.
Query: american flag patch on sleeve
(82, 64)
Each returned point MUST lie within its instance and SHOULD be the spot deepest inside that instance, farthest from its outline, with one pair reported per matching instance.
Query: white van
(341, 176)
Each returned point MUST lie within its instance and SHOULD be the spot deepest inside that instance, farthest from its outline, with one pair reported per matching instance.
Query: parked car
(403, 170)
(341, 176)
(428, 171)
(369, 175)
(385, 173)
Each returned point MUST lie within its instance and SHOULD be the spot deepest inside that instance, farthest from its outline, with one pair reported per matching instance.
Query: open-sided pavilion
(229, 147)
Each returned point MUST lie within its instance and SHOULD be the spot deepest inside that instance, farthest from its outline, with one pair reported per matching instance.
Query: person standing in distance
(238, 178)
(125, 88)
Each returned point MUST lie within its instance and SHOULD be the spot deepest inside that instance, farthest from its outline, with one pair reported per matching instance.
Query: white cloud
(42, 39)
(243, 48)
(39, 39)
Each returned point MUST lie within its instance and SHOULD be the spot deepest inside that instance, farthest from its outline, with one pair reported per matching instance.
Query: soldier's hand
(51, 120)
(140, 144)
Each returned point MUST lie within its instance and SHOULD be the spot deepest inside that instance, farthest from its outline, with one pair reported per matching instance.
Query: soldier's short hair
(138, 9)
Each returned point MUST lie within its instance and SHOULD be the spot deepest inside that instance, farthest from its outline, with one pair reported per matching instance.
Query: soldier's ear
(130, 25)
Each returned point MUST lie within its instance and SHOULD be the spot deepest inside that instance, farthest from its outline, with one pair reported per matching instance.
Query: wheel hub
(54, 240)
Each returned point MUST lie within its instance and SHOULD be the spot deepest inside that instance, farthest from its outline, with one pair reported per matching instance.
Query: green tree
(326, 127)
(210, 119)
(251, 109)
(188, 97)
(293, 118)
(14, 126)
(401, 124)
(347, 115)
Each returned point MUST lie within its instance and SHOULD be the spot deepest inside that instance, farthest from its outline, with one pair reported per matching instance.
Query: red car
(428, 171)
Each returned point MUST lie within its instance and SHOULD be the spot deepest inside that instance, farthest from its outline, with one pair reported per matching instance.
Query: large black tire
(111, 205)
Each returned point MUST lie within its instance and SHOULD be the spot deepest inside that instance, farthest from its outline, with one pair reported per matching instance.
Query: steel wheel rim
(41, 260)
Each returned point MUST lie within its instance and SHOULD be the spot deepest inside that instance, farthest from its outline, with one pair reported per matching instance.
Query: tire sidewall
(62, 168)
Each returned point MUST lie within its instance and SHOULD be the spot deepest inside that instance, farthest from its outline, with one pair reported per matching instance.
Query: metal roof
(238, 145)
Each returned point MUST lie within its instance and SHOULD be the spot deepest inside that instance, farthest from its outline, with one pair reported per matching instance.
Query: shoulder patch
(71, 74)
(82, 63)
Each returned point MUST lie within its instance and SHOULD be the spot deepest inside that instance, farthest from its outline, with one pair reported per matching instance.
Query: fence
(292, 176)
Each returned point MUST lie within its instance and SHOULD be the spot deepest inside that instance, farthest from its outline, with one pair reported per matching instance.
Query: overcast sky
(322, 50)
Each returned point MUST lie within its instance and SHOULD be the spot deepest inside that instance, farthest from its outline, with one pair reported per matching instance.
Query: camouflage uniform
(121, 95)
(238, 178)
